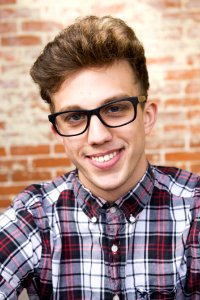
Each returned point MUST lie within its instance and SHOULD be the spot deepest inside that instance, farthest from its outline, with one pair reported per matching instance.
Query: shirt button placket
(114, 248)
(113, 210)
(113, 218)
(132, 219)
(94, 220)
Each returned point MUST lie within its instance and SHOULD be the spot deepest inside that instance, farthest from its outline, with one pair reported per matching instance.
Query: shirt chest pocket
(155, 295)
(160, 280)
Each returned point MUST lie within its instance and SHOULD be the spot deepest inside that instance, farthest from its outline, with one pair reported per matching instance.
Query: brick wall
(170, 32)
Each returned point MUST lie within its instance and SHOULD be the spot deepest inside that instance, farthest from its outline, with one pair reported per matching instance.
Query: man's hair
(89, 42)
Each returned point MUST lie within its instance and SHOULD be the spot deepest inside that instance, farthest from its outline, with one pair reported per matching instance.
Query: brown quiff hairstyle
(89, 42)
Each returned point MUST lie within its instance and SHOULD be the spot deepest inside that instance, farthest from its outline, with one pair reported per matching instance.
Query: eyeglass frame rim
(95, 111)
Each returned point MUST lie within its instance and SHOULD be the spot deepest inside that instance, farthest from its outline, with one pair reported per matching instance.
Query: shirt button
(132, 219)
(113, 210)
(114, 249)
(94, 219)
(116, 297)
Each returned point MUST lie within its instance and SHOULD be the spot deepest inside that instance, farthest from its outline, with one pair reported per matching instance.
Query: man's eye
(117, 108)
(73, 117)
(114, 108)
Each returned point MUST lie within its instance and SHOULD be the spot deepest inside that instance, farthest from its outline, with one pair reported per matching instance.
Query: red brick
(174, 34)
(171, 116)
(21, 40)
(7, 27)
(14, 164)
(183, 156)
(193, 87)
(193, 31)
(153, 158)
(16, 68)
(60, 172)
(7, 2)
(170, 87)
(194, 114)
(2, 151)
(30, 175)
(192, 59)
(195, 142)
(59, 148)
(195, 15)
(163, 143)
(192, 4)
(7, 57)
(165, 4)
(177, 164)
(17, 12)
(195, 168)
(160, 60)
(100, 8)
(2, 124)
(40, 26)
(182, 16)
(11, 189)
(5, 203)
(175, 127)
(3, 177)
(29, 150)
(182, 102)
(182, 74)
(51, 162)
(194, 129)
(171, 3)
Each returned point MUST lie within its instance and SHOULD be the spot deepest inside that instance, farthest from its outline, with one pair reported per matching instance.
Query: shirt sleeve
(20, 251)
(192, 251)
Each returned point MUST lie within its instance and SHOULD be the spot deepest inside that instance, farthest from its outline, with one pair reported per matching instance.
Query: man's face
(110, 161)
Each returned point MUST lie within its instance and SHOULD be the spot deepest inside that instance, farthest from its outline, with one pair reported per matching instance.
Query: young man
(115, 227)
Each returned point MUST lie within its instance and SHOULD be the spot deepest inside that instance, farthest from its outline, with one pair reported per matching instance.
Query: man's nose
(98, 133)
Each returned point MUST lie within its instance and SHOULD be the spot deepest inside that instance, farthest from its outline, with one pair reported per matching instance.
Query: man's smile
(103, 158)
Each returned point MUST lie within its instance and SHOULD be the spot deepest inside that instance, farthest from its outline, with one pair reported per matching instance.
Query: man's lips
(102, 158)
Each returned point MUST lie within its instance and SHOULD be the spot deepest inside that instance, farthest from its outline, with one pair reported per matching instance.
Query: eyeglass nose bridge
(94, 112)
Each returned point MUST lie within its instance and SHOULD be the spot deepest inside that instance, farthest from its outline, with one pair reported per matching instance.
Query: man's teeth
(104, 158)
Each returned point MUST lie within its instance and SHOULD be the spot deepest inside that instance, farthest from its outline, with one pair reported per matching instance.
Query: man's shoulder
(176, 173)
(177, 181)
(44, 193)
(37, 202)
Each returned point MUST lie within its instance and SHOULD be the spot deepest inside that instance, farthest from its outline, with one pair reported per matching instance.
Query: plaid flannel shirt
(60, 242)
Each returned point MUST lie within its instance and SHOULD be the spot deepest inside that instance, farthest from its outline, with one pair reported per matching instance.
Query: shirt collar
(137, 198)
(132, 203)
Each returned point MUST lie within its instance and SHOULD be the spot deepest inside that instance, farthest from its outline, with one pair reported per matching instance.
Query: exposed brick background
(170, 32)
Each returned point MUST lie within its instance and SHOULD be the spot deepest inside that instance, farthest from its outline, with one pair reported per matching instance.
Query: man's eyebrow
(114, 98)
(105, 101)
(70, 107)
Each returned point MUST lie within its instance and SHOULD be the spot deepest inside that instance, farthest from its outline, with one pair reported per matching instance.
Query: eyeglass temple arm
(142, 99)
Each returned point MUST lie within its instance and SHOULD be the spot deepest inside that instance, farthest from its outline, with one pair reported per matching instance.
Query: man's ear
(149, 116)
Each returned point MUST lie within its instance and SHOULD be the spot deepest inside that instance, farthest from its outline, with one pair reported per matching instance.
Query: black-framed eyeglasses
(113, 114)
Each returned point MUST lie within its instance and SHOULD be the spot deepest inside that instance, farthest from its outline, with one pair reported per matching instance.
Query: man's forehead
(97, 84)
(74, 106)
